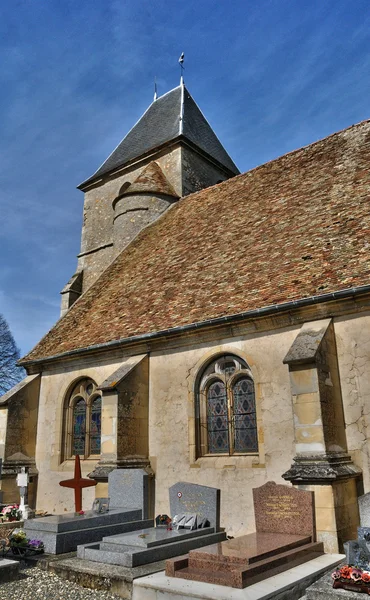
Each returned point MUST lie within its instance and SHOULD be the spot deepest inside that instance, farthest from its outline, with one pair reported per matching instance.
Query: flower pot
(34, 551)
(352, 587)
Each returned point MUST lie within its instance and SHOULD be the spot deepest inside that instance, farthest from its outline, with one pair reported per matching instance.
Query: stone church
(216, 330)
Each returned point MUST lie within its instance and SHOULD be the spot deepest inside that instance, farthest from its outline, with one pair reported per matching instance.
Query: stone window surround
(222, 461)
(71, 397)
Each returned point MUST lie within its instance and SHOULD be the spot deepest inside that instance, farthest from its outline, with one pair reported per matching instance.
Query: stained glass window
(217, 418)
(82, 426)
(245, 426)
(95, 426)
(79, 427)
(226, 409)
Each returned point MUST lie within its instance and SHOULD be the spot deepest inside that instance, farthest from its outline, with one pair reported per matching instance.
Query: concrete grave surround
(289, 585)
(9, 569)
(199, 499)
(129, 488)
(323, 589)
(63, 533)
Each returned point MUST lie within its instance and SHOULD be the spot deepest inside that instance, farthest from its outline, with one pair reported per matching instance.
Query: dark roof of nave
(296, 227)
(160, 124)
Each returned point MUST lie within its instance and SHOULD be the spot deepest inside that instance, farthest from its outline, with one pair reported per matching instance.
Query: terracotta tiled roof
(295, 227)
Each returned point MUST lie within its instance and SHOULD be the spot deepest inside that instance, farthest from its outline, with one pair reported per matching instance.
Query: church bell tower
(171, 152)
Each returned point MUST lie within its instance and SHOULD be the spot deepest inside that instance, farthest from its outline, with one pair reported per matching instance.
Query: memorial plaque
(199, 499)
(284, 509)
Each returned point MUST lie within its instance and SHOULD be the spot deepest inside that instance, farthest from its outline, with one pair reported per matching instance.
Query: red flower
(346, 572)
(365, 577)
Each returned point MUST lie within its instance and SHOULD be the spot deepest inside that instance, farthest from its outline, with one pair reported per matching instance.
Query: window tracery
(226, 408)
(82, 420)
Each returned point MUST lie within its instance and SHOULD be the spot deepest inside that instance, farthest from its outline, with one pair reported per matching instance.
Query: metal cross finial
(181, 62)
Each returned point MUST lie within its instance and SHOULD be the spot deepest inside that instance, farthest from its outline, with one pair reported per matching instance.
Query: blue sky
(270, 76)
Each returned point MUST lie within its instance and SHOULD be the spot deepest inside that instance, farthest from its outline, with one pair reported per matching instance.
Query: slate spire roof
(173, 115)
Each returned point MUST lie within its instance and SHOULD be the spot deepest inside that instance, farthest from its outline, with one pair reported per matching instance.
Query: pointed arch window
(82, 420)
(226, 408)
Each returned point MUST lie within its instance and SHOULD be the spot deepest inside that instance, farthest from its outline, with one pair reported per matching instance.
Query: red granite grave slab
(249, 548)
(236, 575)
(284, 537)
(284, 509)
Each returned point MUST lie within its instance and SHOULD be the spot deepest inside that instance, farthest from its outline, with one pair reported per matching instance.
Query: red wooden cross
(77, 483)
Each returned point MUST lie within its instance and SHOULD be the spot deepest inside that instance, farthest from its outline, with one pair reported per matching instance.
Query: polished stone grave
(129, 493)
(199, 499)
(284, 537)
(63, 533)
(131, 488)
(147, 545)
(155, 544)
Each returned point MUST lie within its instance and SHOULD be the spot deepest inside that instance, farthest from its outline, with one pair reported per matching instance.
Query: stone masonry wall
(198, 173)
(52, 470)
(172, 425)
(97, 229)
(353, 344)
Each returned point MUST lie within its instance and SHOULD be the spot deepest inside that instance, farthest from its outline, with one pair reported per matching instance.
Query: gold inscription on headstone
(281, 507)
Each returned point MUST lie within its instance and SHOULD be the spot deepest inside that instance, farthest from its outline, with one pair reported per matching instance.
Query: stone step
(218, 577)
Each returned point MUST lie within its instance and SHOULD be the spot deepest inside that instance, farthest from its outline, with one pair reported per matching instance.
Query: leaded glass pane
(217, 419)
(79, 427)
(95, 426)
(244, 422)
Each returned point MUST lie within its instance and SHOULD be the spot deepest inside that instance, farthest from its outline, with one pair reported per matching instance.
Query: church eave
(146, 338)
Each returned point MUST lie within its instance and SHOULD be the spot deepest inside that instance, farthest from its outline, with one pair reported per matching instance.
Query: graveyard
(187, 552)
(195, 424)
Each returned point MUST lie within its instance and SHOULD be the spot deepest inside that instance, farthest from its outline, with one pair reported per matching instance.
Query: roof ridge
(296, 150)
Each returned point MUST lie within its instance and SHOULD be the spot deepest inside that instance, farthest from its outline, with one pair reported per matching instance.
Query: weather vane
(181, 63)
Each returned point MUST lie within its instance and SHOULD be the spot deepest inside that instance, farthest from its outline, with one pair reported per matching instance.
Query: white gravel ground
(35, 584)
